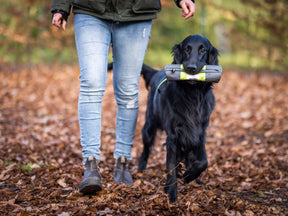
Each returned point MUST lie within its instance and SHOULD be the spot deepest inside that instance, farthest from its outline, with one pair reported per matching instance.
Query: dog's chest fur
(182, 109)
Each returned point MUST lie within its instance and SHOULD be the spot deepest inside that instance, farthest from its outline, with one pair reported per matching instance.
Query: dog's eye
(202, 50)
(188, 49)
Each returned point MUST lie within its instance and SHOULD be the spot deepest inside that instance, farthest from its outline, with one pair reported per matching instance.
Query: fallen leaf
(62, 183)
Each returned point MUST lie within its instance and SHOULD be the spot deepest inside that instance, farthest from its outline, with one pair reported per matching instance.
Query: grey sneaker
(91, 182)
(121, 172)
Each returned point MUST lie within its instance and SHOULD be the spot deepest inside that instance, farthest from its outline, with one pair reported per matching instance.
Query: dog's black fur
(183, 110)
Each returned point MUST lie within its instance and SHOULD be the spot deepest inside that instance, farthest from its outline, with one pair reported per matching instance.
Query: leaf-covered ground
(40, 153)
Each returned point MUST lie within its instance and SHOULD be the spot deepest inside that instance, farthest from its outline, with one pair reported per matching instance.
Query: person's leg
(129, 43)
(93, 39)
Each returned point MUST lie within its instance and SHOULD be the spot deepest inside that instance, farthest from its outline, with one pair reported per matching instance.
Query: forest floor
(40, 152)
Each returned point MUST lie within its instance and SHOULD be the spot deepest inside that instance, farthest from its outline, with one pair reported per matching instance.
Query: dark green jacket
(115, 10)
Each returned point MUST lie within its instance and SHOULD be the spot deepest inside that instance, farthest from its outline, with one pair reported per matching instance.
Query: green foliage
(26, 167)
(29, 166)
(26, 35)
(6, 163)
(249, 34)
(257, 31)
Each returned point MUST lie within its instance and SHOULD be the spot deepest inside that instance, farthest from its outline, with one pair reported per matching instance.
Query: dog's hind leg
(148, 136)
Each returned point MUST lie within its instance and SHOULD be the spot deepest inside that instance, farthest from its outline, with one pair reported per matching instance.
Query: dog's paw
(172, 193)
(171, 190)
(187, 177)
(142, 163)
(141, 167)
(172, 197)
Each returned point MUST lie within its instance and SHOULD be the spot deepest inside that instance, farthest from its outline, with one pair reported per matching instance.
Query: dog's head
(194, 52)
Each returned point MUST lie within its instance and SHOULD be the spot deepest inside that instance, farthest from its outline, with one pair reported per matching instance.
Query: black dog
(182, 109)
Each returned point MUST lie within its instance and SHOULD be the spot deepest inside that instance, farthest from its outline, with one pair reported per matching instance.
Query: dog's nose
(192, 67)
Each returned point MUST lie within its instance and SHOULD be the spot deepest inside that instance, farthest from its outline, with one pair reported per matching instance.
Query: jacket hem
(116, 17)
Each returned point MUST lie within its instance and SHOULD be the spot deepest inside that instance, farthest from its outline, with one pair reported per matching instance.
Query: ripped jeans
(129, 41)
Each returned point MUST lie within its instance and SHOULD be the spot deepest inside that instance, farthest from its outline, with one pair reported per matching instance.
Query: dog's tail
(110, 66)
(147, 72)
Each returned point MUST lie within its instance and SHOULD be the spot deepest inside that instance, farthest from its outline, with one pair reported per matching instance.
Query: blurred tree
(267, 28)
(257, 29)
(249, 33)
(26, 35)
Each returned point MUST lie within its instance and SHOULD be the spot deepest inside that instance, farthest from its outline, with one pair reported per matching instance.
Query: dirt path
(40, 153)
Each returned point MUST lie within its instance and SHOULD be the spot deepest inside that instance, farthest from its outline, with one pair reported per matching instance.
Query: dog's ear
(176, 52)
(213, 56)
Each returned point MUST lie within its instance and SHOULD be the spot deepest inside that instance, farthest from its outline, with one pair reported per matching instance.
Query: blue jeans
(129, 42)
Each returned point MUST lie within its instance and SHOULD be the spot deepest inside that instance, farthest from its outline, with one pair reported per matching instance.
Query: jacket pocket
(146, 6)
(91, 5)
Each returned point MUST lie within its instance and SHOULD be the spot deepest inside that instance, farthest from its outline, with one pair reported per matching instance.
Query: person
(125, 24)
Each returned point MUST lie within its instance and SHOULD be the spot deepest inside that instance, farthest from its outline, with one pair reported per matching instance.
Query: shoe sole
(90, 186)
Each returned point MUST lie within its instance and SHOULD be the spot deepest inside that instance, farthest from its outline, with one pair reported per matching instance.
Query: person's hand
(59, 21)
(188, 8)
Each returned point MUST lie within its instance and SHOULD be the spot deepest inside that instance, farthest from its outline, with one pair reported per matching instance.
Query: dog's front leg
(199, 164)
(171, 183)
